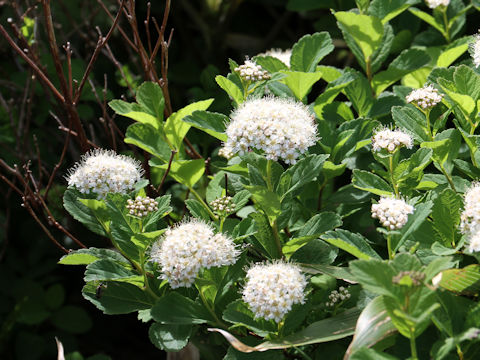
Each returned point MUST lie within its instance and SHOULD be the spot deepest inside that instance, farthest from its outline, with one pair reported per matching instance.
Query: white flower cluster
(338, 296)
(432, 4)
(273, 288)
(226, 152)
(474, 49)
(103, 171)
(185, 249)
(282, 128)
(223, 205)
(250, 71)
(425, 97)
(391, 212)
(470, 218)
(141, 206)
(390, 140)
(282, 55)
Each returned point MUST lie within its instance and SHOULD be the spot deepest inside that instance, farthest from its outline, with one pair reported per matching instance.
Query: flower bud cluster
(250, 71)
(187, 248)
(432, 4)
(282, 55)
(103, 171)
(281, 128)
(226, 152)
(426, 97)
(141, 206)
(272, 289)
(223, 205)
(391, 212)
(416, 277)
(474, 49)
(338, 296)
(390, 140)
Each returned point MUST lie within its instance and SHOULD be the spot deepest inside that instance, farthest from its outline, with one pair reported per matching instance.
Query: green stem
(222, 220)
(204, 204)
(390, 170)
(413, 345)
(218, 322)
(449, 178)
(391, 252)
(273, 224)
(447, 25)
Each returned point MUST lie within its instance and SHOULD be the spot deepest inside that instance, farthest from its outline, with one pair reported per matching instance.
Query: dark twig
(166, 171)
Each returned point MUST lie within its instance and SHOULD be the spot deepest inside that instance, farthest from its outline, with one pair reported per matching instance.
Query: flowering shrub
(285, 210)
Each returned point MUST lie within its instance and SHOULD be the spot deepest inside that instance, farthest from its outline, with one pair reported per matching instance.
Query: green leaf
(332, 90)
(413, 224)
(409, 60)
(150, 97)
(367, 31)
(80, 212)
(230, 88)
(212, 123)
(264, 234)
(303, 172)
(134, 112)
(359, 93)
(467, 82)
(88, 256)
(464, 281)
(238, 314)
(448, 56)
(376, 276)
(270, 63)
(149, 139)
(446, 216)
(371, 354)
(266, 199)
(309, 51)
(300, 82)
(197, 210)
(429, 19)
(373, 326)
(337, 272)
(117, 298)
(330, 329)
(354, 244)
(72, 319)
(367, 181)
(411, 119)
(186, 172)
(106, 269)
(389, 9)
(315, 251)
(176, 129)
(174, 308)
(169, 337)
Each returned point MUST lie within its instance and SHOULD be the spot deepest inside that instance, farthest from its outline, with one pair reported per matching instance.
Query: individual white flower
(250, 71)
(391, 212)
(474, 49)
(226, 152)
(103, 171)
(425, 97)
(470, 218)
(390, 140)
(281, 128)
(141, 206)
(187, 248)
(272, 289)
(282, 55)
(432, 4)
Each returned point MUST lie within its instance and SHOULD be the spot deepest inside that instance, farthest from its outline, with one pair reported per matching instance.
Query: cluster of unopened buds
(336, 297)
(392, 213)
(223, 205)
(250, 71)
(390, 140)
(141, 206)
(416, 277)
(425, 98)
